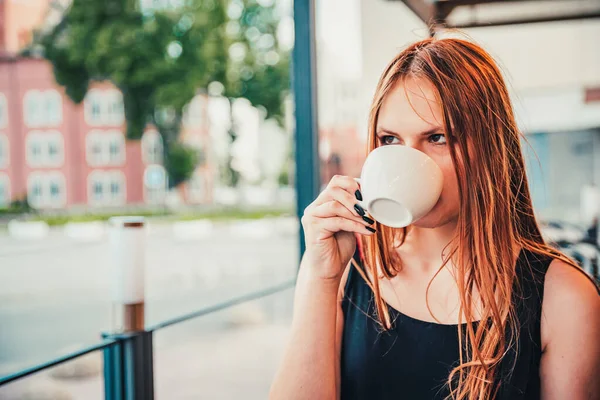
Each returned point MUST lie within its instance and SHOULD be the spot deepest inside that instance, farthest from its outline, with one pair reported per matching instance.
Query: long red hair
(495, 216)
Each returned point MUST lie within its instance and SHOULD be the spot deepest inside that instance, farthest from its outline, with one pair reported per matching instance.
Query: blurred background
(182, 111)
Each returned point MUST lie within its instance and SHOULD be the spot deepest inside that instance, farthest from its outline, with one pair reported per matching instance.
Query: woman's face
(411, 116)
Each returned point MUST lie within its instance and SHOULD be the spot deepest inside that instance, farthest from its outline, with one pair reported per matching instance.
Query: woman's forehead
(410, 106)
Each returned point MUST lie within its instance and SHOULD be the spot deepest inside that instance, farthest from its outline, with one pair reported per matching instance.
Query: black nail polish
(358, 195)
(368, 220)
(359, 210)
(370, 229)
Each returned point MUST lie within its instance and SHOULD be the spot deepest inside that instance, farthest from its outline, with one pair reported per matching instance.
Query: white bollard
(88, 232)
(28, 230)
(127, 237)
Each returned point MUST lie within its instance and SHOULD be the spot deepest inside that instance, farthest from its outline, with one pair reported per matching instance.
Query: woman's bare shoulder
(571, 301)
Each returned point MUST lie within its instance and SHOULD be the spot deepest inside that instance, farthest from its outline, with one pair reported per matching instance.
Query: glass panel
(341, 105)
(54, 189)
(232, 231)
(4, 190)
(98, 190)
(232, 354)
(54, 291)
(78, 379)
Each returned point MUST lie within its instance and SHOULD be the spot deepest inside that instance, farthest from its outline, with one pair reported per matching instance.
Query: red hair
(495, 216)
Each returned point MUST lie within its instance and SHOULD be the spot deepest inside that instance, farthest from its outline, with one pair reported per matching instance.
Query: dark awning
(482, 13)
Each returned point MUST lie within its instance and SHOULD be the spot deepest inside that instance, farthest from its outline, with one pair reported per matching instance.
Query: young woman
(466, 303)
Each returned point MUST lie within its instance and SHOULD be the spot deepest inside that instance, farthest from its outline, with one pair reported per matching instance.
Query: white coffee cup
(399, 185)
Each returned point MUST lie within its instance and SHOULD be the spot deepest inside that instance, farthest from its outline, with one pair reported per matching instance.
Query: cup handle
(361, 202)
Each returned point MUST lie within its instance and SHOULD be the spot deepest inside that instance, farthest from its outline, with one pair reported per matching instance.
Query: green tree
(181, 162)
(258, 67)
(158, 58)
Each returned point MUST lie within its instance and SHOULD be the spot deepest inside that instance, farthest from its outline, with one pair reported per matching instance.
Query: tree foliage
(157, 58)
(181, 162)
(160, 58)
(258, 69)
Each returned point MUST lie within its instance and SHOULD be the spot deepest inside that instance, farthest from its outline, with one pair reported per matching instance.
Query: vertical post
(304, 80)
(128, 365)
(127, 236)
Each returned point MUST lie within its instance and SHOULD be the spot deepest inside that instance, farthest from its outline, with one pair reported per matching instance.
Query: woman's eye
(437, 138)
(388, 139)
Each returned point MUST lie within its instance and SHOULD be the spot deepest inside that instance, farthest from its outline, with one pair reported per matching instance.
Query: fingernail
(368, 220)
(370, 229)
(359, 210)
(358, 195)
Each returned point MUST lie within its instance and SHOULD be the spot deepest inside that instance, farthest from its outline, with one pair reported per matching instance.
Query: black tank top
(414, 358)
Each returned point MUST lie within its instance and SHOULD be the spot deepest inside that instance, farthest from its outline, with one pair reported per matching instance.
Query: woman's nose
(414, 144)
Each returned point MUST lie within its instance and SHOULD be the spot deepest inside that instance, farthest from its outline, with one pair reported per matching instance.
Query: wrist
(315, 276)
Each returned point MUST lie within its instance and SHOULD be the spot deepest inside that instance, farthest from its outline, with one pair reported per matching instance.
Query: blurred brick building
(58, 154)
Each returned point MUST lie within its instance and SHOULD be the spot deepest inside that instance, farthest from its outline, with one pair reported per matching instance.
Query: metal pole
(128, 365)
(304, 80)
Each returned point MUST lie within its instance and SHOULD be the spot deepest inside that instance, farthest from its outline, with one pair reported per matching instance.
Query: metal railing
(128, 350)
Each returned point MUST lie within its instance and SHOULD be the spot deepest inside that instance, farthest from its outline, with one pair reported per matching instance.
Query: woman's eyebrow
(383, 130)
(435, 129)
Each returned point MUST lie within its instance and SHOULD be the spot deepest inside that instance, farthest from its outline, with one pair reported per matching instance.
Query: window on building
(98, 191)
(3, 111)
(52, 107)
(104, 107)
(96, 195)
(34, 144)
(105, 148)
(4, 151)
(92, 107)
(4, 190)
(152, 147)
(33, 108)
(55, 155)
(36, 150)
(35, 190)
(42, 108)
(56, 190)
(52, 150)
(106, 188)
(155, 184)
(46, 189)
(116, 188)
(116, 148)
(45, 149)
(94, 148)
(115, 114)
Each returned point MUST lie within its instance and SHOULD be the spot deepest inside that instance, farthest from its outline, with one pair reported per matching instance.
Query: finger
(336, 209)
(345, 182)
(339, 224)
(340, 195)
